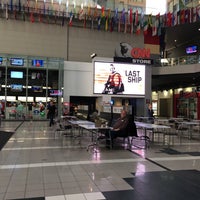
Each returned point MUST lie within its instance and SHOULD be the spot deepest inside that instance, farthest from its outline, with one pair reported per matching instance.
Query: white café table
(94, 131)
(152, 127)
(190, 125)
(77, 123)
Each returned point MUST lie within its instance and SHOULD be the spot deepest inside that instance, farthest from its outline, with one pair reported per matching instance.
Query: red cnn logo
(140, 53)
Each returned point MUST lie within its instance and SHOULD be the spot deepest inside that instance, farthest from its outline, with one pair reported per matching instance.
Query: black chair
(129, 133)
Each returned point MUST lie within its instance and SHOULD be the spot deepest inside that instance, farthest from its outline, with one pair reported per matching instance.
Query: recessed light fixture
(93, 55)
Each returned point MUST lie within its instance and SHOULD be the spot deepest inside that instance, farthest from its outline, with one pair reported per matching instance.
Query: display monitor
(16, 87)
(191, 49)
(37, 63)
(37, 88)
(119, 78)
(16, 74)
(17, 61)
(55, 92)
(37, 75)
(1, 60)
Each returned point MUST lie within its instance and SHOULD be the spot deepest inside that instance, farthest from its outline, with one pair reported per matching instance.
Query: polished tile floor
(37, 163)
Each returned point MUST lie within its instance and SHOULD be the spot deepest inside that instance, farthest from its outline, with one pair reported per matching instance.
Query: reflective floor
(39, 163)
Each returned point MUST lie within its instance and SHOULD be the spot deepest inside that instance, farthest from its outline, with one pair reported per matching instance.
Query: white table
(190, 126)
(152, 127)
(94, 131)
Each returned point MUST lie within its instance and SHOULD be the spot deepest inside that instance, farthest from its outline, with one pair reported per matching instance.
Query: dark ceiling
(166, 82)
(183, 34)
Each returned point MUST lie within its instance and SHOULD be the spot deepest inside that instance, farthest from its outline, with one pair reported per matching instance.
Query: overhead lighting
(93, 55)
(164, 60)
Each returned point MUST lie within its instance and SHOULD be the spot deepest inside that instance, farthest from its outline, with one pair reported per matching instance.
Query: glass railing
(184, 60)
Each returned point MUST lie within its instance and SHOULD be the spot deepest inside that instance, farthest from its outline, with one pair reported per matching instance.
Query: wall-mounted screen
(1, 60)
(16, 74)
(38, 63)
(55, 92)
(191, 49)
(17, 61)
(37, 88)
(37, 75)
(16, 88)
(119, 78)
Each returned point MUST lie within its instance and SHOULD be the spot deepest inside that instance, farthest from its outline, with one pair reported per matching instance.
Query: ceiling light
(93, 55)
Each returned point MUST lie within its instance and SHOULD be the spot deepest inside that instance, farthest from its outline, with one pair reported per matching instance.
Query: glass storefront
(28, 83)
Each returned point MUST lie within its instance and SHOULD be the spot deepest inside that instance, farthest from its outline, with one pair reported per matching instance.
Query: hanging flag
(92, 22)
(27, 5)
(128, 17)
(11, 5)
(149, 20)
(70, 18)
(131, 20)
(89, 11)
(99, 23)
(198, 12)
(63, 18)
(81, 14)
(102, 12)
(123, 16)
(119, 25)
(19, 6)
(112, 24)
(182, 16)
(23, 12)
(44, 9)
(142, 19)
(95, 12)
(186, 20)
(145, 29)
(138, 29)
(175, 18)
(106, 23)
(136, 18)
(178, 17)
(154, 28)
(40, 15)
(194, 14)
(84, 23)
(169, 19)
(15, 11)
(7, 11)
(32, 17)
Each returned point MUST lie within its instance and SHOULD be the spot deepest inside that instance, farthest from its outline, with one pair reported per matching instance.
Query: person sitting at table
(94, 116)
(121, 128)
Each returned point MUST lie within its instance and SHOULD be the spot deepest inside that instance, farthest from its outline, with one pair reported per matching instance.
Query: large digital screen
(119, 78)
(16, 74)
(16, 87)
(17, 61)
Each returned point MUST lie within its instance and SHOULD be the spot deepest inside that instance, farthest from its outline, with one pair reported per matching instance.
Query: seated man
(119, 127)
